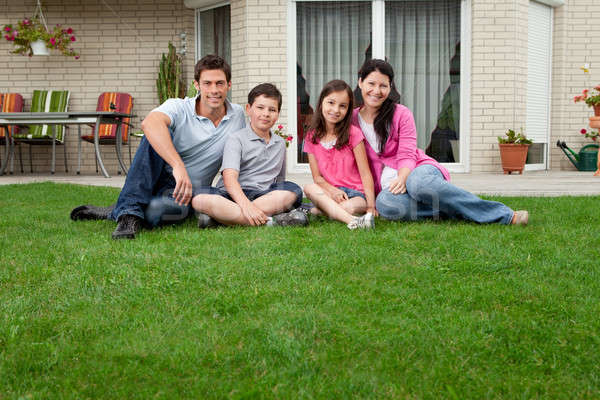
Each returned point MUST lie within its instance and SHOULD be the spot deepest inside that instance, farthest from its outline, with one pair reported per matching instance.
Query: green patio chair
(46, 101)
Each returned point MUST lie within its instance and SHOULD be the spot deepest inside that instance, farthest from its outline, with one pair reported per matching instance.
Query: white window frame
(378, 46)
(197, 25)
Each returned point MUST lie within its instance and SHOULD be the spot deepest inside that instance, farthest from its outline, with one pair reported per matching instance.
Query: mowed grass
(410, 310)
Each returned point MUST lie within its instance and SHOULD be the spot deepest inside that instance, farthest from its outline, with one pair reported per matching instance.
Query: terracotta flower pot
(513, 157)
(595, 122)
(597, 110)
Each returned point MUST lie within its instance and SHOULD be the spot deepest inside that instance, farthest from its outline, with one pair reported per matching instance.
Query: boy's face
(213, 87)
(263, 113)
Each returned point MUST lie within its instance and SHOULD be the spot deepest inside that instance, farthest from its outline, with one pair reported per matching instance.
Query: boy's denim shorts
(255, 194)
(352, 192)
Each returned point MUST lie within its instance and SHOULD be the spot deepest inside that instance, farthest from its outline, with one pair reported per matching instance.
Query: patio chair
(46, 101)
(107, 133)
(9, 102)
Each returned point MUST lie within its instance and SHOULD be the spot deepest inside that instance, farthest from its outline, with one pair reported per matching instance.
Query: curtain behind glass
(422, 42)
(333, 40)
(215, 32)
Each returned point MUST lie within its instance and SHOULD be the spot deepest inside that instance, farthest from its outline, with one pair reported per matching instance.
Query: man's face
(263, 113)
(213, 87)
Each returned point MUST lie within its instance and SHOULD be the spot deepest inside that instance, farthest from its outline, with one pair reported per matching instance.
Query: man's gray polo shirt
(199, 143)
(260, 164)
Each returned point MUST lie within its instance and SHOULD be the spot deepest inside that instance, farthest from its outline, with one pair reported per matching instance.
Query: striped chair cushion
(124, 104)
(10, 102)
(47, 101)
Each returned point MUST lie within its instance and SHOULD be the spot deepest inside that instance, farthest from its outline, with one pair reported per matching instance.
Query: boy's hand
(254, 215)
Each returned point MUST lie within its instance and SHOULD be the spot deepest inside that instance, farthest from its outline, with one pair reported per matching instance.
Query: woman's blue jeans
(429, 195)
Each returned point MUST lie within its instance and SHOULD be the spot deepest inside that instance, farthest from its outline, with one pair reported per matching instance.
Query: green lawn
(409, 310)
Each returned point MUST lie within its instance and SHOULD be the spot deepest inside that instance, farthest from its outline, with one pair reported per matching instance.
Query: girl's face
(335, 107)
(375, 88)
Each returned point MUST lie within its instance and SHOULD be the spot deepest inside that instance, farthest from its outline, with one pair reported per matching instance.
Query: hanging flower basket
(31, 36)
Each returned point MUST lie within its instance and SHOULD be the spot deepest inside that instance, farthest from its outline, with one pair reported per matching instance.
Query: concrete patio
(532, 183)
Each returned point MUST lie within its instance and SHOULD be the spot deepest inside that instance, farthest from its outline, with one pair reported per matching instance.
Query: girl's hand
(398, 185)
(338, 195)
(373, 211)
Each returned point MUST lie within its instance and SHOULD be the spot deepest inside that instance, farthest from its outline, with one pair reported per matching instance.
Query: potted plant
(513, 151)
(31, 37)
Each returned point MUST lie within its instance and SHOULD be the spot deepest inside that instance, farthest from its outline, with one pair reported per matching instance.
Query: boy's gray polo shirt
(260, 164)
(199, 143)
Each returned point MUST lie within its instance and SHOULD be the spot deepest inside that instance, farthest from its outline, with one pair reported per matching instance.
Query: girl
(336, 153)
(412, 185)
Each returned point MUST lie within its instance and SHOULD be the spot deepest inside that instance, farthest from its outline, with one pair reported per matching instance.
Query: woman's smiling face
(375, 88)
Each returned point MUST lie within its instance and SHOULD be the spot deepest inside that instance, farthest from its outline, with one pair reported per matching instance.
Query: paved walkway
(538, 183)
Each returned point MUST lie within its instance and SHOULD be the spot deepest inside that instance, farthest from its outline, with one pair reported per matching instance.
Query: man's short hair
(268, 90)
(209, 62)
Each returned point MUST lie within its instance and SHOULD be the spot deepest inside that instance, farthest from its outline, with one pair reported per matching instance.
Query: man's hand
(183, 186)
(253, 214)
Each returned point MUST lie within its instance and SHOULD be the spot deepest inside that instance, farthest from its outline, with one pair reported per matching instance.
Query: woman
(412, 185)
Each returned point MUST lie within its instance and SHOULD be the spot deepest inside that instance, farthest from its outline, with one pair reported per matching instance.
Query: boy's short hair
(209, 62)
(268, 90)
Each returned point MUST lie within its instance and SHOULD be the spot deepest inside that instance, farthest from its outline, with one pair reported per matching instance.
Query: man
(182, 150)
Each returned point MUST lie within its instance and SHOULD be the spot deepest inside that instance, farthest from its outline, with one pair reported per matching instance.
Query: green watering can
(585, 160)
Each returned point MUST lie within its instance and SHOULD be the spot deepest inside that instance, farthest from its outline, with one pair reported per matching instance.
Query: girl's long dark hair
(383, 120)
(342, 128)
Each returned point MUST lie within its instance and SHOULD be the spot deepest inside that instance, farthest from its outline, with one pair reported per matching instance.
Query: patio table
(67, 118)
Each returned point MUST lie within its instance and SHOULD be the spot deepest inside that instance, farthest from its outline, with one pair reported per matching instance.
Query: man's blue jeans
(429, 195)
(146, 178)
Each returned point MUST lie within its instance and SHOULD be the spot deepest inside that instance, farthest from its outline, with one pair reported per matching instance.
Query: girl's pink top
(401, 147)
(338, 167)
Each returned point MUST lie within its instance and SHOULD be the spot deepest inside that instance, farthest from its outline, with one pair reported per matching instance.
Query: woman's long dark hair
(383, 120)
(342, 128)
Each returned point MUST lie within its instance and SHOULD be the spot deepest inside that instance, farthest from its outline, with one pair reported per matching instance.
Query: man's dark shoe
(91, 212)
(127, 226)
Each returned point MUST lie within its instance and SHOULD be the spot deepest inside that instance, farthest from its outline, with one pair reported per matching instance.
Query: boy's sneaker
(127, 226)
(91, 212)
(305, 208)
(292, 218)
(205, 221)
(520, 217)
(365, 222)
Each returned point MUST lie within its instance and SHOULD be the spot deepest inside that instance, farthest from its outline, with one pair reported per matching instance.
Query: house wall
(120, 44)
(575, 44)
(258, 47)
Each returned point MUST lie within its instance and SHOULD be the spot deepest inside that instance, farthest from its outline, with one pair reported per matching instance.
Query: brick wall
(498, 77)
(575, 44)
(120, 44)
(258, 47)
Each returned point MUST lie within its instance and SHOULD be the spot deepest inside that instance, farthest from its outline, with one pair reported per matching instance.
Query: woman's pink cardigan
(401, 147)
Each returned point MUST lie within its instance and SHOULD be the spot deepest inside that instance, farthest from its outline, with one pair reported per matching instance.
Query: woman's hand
(398, 185)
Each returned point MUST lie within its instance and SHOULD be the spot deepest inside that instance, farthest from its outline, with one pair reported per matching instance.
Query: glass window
(333, 40)
(422, 42)
(215, 32)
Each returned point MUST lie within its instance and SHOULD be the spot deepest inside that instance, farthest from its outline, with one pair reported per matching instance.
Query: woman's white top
(388, 174)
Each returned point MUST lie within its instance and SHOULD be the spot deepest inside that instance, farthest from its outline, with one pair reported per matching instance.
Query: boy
(252, 189)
